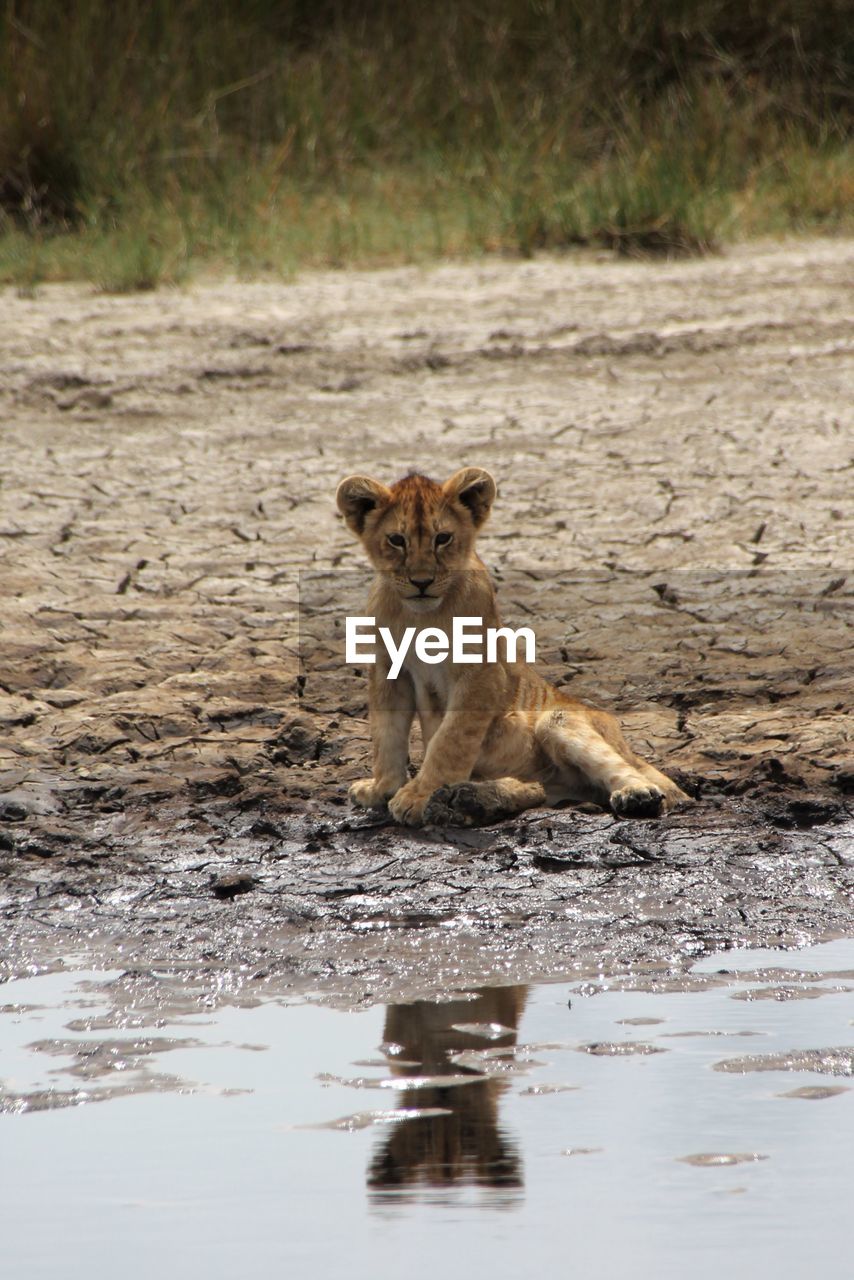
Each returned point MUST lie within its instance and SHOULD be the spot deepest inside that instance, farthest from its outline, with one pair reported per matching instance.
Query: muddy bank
(362, 911)
(673, 449)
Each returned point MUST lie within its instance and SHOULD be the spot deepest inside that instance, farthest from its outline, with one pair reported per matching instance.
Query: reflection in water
(466, 1146)
(676, 1138)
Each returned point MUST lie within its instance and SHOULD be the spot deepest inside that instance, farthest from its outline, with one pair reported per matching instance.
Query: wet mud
(673, 450)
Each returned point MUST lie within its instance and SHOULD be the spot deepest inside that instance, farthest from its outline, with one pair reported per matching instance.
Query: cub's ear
(475, 489)
(357, 496)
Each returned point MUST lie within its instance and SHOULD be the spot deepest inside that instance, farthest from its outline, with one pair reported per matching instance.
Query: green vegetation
(140, 140)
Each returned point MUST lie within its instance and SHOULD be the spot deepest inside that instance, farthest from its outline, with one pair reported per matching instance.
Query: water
(203, 1145)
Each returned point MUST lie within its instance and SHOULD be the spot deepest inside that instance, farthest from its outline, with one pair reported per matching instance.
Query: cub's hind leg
(587, 744)
(472, 804)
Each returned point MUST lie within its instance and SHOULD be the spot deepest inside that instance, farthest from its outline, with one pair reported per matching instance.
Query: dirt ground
(674, 451)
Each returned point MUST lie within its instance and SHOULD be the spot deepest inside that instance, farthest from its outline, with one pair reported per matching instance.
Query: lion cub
(497, 737)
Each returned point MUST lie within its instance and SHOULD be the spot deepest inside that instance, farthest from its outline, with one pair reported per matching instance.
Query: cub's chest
(431, 682)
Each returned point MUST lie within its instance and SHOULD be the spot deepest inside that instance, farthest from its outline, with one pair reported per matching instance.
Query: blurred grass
(139, 142)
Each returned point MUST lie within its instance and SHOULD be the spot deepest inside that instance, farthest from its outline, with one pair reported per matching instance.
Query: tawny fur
(497, 737)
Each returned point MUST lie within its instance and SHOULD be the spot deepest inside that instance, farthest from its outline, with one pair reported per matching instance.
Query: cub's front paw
(369, 794)
(642, 801)
(407, 805)
(463, 804)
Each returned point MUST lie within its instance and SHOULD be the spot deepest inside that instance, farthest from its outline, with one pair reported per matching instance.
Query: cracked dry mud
(673, 447)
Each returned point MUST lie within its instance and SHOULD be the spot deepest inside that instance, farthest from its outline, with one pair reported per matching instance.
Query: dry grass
(139, 143)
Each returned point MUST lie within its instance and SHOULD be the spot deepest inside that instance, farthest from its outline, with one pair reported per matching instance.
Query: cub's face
(417, 533)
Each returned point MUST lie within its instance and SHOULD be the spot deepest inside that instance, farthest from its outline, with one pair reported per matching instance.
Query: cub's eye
(442, 539)
(397, 539)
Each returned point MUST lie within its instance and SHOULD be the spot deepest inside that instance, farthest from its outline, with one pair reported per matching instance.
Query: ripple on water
(367, 1119)
(538, 1090)
(401, 1083)
(815, 1092)
(783, 993)
(484, 1030)
(608, 1049)
(718, 1159)
(827, 1062)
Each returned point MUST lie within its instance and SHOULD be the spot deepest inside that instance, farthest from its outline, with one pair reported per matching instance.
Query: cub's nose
(421, 583)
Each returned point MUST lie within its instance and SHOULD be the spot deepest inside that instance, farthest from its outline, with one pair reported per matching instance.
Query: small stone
(231, 884)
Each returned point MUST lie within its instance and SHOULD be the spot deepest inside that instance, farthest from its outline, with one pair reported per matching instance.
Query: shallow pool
(648, 1125)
